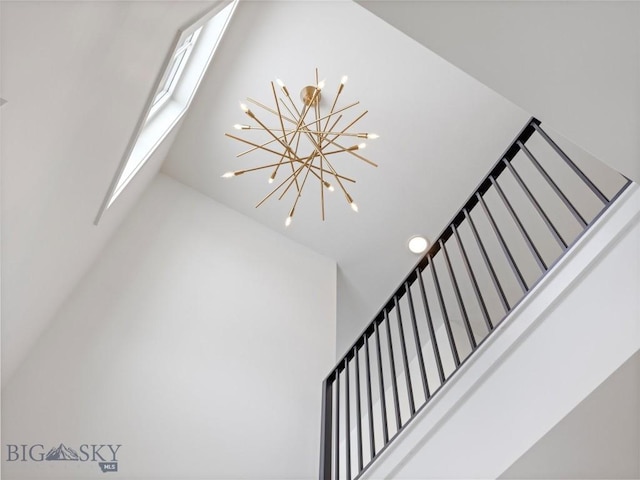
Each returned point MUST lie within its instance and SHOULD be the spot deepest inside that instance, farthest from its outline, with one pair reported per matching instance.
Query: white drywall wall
(600, 438)
(76, 76)
(560, 343)
(198, 341)
(574, 65)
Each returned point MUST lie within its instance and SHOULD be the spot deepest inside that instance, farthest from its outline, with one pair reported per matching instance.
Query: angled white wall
(76, 76)
(574, 65)
(600, 438)
(198, 341)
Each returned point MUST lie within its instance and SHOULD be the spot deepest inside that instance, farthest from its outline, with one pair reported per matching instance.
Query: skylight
(172, 74)
(175, 88)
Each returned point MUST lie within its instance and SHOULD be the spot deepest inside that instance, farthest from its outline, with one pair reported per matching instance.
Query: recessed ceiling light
(418, 244)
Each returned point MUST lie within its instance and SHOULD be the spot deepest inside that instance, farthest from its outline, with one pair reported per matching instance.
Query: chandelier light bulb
(244, 107)
(287, 222)
(344, 80)
(362, 146)
(280, 83)
(373, 136)
(238, 126)
(229, 175)
(321, 84)
(270, 180)
(354, 207)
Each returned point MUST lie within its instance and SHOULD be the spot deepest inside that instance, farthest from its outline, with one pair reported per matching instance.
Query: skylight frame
(173, 72)
(162, 114)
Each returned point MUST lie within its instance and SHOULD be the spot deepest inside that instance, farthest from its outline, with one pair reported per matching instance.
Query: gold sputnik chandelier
(304, 143)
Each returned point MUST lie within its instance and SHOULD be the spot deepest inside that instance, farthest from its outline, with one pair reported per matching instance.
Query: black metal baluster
(383, 400)
(394, 380)
(372, 441)
(472, 277)
(532, 248)
(432, 333)
(358, 412)
(487, 262)
(532, 199)
(503, 245)
(445, 317)
(337, 430)
(325, 429)
(456, 290)
(574, 211)
(573, 166)
(347, 415)
(416, 336)
(405, 359)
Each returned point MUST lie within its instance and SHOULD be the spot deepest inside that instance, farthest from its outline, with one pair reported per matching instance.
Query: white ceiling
(575, 65)
(440, 131)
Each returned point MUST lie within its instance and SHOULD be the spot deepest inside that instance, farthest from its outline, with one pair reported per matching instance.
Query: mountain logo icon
(62, 453)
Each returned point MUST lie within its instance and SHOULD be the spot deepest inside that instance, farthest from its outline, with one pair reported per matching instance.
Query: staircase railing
(521, 219)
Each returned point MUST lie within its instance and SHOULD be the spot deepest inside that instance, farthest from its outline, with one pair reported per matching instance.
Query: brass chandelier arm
(340, 110)
(253, 169)
(333, 106)
(317, 146)
(275, 171)
(277, 188)
(327, 172)
(344, 190)
(321, 189)
(358, 118)
(301, 118)
(271, 110)
(321, 161)
(333, 142)
(255, 145)
(291, 162)
(304, 181)
(342, 150)
(307, 163)
(318, 149)
(252, 115)
(373, 164)
(316, 132)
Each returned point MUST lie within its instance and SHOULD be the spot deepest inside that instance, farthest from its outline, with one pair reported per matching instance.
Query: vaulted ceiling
(74, 101)
(440, 131)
